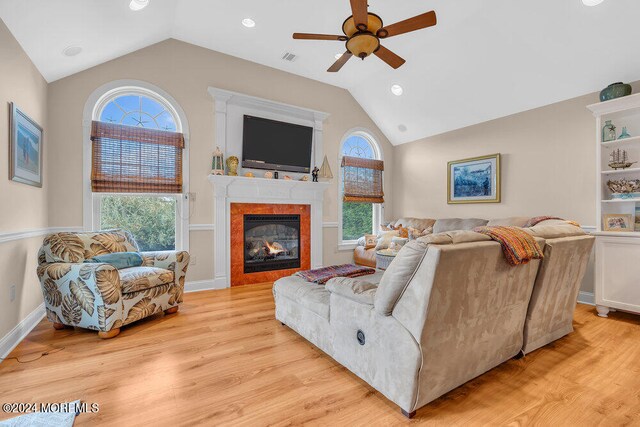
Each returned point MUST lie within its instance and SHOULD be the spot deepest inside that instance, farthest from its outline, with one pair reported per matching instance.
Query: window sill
(347, 246)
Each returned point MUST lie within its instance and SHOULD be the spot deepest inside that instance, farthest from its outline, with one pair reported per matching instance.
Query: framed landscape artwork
(25, 148)
(475, 180)
(618, 222)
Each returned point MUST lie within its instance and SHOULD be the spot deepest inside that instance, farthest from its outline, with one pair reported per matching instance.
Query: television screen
(269, 144)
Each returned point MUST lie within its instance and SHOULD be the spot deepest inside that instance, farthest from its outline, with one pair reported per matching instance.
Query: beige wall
(23, 207)
(548, 166)
(185, 72)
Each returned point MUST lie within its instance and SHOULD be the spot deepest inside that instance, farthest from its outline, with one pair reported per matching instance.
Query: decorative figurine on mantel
(232, 166)
(325, 170)
(217, 164)
(314, 174)
(608, 132)
(618, 159)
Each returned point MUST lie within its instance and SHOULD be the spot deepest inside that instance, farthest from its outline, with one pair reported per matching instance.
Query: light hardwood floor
(224, 359)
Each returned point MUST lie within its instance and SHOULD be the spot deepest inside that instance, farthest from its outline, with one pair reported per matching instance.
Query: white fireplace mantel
(239, 189)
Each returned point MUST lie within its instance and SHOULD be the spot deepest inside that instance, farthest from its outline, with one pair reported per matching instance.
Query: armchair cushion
(119, 260)
(136, 279)
(356, 290)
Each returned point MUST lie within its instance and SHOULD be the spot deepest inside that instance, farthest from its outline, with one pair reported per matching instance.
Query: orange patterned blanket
(518, 246)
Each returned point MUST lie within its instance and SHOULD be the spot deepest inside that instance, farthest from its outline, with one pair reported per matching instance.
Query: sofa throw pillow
(385, 239)
(387, 227)
(370, 241)
(119, 260)
(415, 233)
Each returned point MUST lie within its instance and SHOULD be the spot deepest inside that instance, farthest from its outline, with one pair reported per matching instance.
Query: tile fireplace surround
(239, 195)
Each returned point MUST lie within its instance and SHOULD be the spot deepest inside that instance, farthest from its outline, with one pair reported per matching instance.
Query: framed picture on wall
(25, 148)
(475, 180)
(618, 222)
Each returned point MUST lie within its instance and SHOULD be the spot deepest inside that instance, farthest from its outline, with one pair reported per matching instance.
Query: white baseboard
(586, 298)
(202, 285)
(22, 329)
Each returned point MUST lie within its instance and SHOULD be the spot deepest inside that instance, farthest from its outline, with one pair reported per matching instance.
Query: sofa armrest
(356, 290)
(82, 294)
(176, 261)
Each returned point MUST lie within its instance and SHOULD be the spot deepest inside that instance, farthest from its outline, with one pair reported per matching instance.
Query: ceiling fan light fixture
(137, 5)
(363, 44)
(591, 2)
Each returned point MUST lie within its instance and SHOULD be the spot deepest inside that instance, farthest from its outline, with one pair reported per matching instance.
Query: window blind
(127, 159)
(362, 179)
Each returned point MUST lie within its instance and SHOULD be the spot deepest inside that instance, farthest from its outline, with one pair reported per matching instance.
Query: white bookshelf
(617, 252)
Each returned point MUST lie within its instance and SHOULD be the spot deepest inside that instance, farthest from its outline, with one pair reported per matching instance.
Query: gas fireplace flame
(274, 248)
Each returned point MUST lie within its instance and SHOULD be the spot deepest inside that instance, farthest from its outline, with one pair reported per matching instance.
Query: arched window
(140, 109)
(357, 219)
(136, 154)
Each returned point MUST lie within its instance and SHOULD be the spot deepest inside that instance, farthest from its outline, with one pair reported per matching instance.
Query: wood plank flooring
(224, 360)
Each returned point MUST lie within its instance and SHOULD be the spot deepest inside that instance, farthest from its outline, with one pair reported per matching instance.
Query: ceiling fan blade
(389, 57)
(412, 24)
(306, 36)
(360, 13)
(340, 62)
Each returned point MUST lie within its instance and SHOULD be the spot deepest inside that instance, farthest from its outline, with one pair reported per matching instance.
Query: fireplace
(271, 242)
(268, 241)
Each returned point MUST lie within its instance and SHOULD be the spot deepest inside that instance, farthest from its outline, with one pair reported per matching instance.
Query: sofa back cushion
(451, 224)
(76, 247)
(513, 221)
(417, 223)
(398, 275)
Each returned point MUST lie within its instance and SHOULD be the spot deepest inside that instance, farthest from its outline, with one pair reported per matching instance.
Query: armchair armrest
(79, 294)
(356, 290)
(176, 261)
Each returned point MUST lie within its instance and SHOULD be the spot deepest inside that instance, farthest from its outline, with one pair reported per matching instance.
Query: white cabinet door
(618, 272)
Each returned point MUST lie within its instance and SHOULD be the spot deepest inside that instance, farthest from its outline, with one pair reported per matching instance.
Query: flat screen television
(269, 144)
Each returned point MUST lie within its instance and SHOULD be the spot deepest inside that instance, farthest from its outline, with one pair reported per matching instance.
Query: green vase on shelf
(608, 132)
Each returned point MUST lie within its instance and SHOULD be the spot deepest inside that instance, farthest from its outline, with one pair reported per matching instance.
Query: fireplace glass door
(271, 242)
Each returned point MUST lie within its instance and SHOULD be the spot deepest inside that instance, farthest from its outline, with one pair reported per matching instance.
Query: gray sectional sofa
(448, 309)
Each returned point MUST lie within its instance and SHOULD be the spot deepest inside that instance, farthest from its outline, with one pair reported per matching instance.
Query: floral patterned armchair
(98, 296)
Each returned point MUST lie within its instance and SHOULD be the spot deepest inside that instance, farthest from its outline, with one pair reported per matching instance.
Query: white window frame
(94, 106)
(378, 208)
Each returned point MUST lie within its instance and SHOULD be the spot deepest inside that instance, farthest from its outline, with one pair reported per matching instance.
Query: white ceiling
(484, 60)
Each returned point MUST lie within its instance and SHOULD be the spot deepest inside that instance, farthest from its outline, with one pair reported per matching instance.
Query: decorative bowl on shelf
(615, 90)
(622, 187)
(621, 165)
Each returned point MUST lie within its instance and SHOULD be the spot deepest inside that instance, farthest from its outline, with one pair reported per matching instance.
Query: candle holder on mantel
(618, 159)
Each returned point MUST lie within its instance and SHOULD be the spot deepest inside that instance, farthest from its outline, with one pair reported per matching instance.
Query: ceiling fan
(363, 31)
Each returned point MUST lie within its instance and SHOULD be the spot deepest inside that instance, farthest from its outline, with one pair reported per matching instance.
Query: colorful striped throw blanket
(518, 246)
(322, 275)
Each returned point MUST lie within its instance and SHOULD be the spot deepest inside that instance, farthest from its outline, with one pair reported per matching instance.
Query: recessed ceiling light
(72, 51)
(137, 5)
(592, 2)
(397, 90)
(248, 22)
(402, 128)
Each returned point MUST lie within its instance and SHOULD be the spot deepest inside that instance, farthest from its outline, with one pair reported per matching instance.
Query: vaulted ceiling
(484, 60)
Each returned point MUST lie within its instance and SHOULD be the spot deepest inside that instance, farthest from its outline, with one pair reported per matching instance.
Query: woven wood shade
(362, 180)
(127, 159)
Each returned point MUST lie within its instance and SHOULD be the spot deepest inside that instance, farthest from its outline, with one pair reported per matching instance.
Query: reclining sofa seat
(555, 294)
(448, 309)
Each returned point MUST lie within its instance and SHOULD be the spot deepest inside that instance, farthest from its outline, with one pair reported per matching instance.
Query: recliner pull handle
(360, 337)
